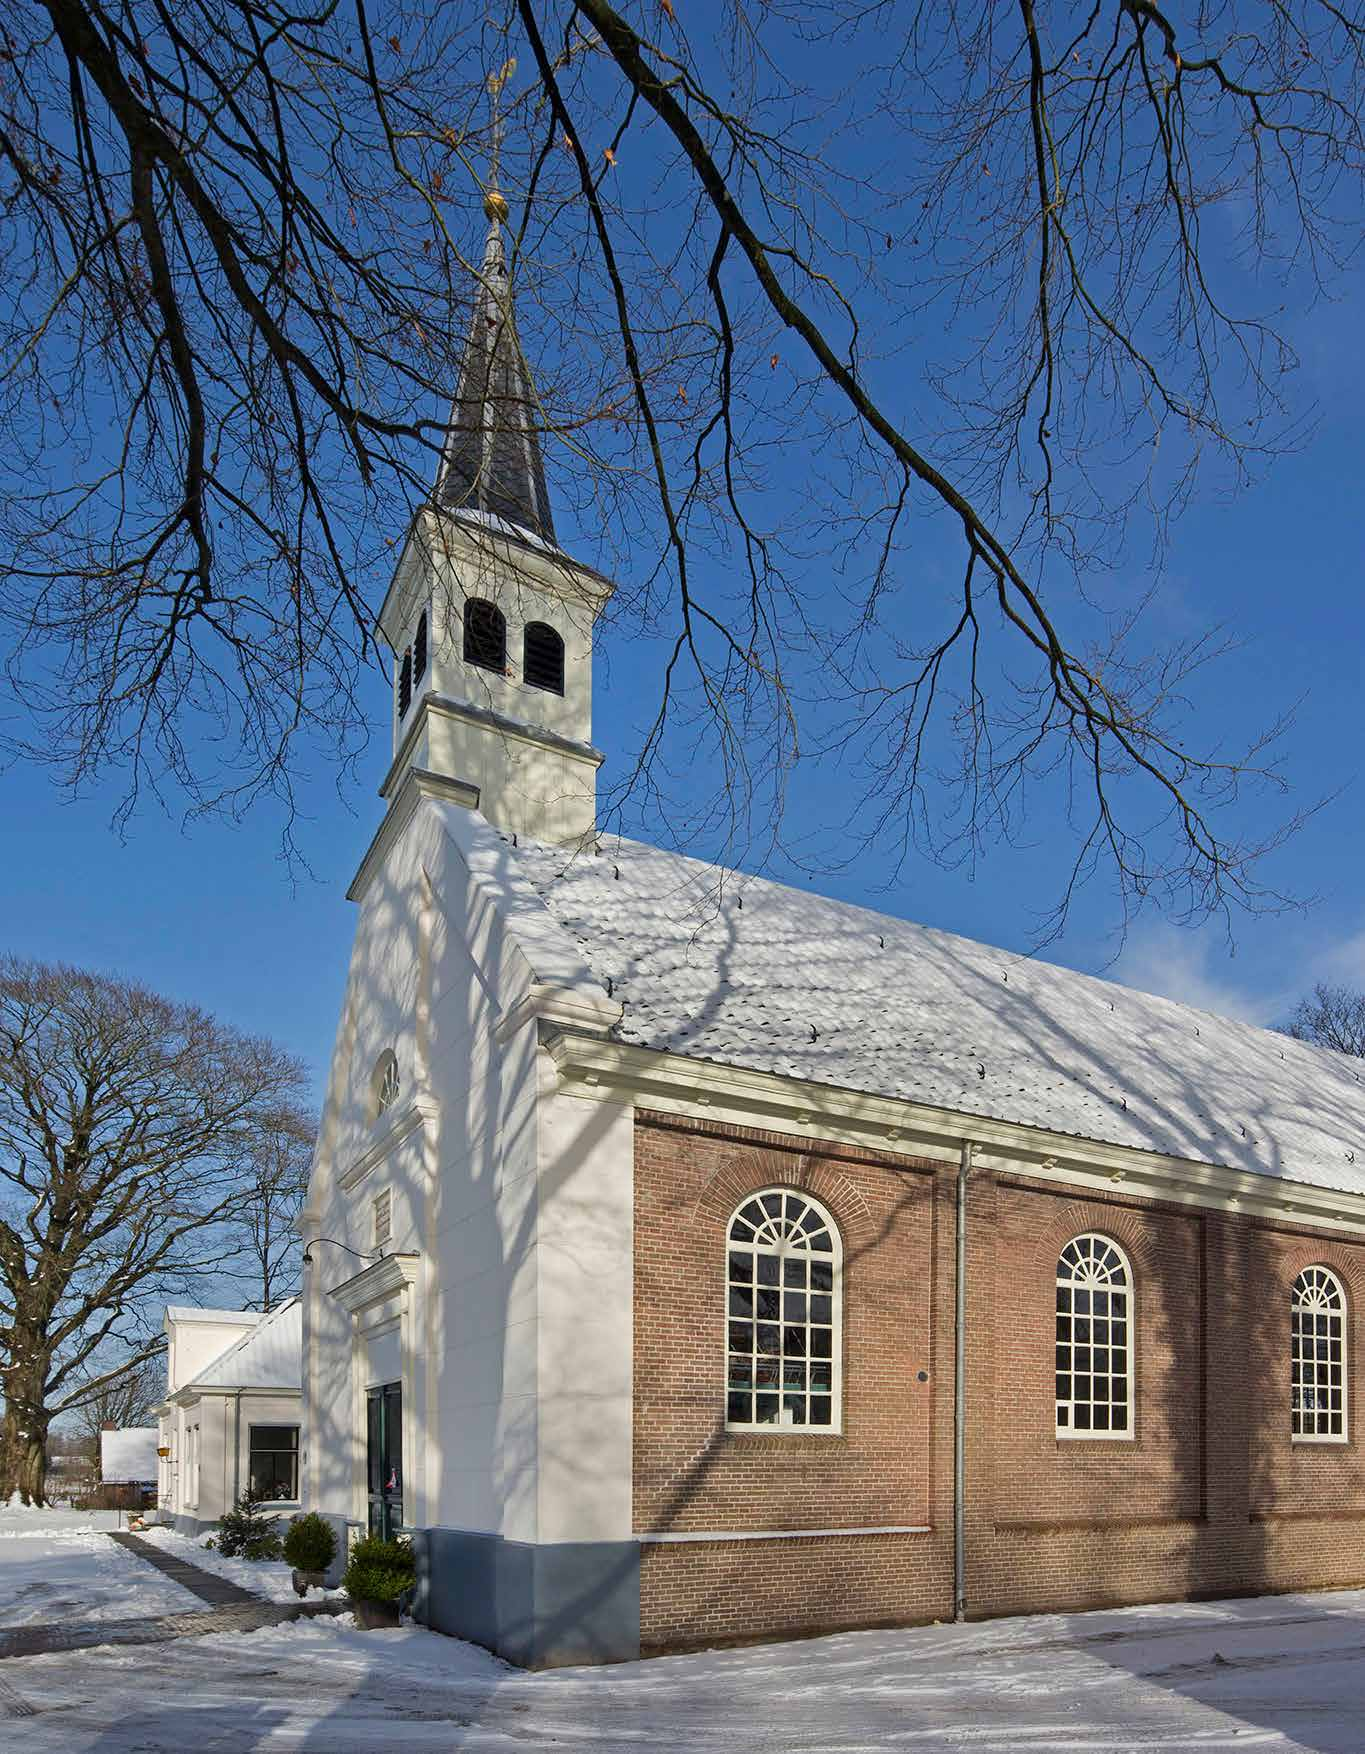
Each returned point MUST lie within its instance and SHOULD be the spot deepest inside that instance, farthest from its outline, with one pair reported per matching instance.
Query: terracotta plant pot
(371, 1616)
(303, 1581)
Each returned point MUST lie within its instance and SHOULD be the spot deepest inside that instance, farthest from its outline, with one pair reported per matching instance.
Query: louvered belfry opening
(492, 461)
(542, 658)
(419, 650)
(405, 684)
(485, 635)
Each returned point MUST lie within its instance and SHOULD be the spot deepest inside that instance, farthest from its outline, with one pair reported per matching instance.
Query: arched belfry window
(1094, 1339)
(405, 683)
(782, 1315)
(542, 663)
(419, 650)
(485, 635)
(1317, 1357)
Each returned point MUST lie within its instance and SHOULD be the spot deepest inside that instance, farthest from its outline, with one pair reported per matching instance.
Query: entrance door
(384, 1458)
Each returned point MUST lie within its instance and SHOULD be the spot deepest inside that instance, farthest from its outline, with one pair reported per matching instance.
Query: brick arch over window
(1130, 1230)
(784, 1269)
(749, 1170)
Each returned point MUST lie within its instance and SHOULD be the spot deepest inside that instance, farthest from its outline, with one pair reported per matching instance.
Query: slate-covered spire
(492, 462)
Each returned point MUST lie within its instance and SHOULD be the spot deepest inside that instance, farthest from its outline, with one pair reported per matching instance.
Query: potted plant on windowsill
(378, 1575)
(310, 1546)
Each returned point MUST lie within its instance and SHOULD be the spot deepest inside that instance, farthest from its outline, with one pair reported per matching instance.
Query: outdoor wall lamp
(308, 1252)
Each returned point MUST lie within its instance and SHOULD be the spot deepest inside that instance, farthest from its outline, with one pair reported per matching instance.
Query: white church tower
(489, 622)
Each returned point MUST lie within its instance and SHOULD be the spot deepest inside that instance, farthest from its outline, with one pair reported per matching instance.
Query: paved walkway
(229, 1609)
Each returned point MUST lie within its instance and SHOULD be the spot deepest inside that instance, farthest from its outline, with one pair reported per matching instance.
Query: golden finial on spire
(494, 201)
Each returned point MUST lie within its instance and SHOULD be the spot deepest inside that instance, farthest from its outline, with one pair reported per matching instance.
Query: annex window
(1094, 1340)
(273, 1467)
(1317, 1357)
(782, 1316)
(485, 635)
(419, 650)
(542, 663)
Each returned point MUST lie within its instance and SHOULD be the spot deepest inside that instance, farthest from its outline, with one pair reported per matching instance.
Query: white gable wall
(516, 1209)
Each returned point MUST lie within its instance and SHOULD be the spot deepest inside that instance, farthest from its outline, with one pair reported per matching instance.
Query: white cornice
(417, 784)
(387, 1275)
(588, 1066)
(583, 1008)
(406, 1123)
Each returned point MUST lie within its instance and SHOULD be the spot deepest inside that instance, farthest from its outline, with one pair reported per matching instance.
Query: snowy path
(72, 1572)
(1277, 1673)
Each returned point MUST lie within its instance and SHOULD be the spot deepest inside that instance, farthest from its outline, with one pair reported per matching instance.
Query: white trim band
(648, 1540)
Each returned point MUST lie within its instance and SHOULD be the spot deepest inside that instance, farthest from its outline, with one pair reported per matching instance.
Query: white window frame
(784, 1251)
(1341, 1313)
(1069, 1430)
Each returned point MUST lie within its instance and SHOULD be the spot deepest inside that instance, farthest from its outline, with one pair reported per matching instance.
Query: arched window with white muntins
(485, 635)
(1317, 1357)
(782, 1315)
(1094, 1339)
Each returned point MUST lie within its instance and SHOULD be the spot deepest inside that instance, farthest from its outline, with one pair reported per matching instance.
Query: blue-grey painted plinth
(541, 1606)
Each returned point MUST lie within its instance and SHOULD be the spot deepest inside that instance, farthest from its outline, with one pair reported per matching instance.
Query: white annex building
(232, 1413)
(689, 1258)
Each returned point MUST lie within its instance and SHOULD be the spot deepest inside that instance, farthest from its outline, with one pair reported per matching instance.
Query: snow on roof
(188, 1312)
(128, 1455)
(719, 966)
(269, 1357)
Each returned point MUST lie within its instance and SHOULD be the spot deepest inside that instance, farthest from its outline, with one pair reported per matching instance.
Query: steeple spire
(491, 462)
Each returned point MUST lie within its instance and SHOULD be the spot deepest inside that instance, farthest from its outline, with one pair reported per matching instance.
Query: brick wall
(1209, 1496)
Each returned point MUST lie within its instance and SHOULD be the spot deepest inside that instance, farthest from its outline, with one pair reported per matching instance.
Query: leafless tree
(1334, 1017)
(881, 341)
(124, 1399)
(279, 1187)
(130, 1137)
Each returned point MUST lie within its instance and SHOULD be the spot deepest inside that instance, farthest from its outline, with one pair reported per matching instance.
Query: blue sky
(209, 912)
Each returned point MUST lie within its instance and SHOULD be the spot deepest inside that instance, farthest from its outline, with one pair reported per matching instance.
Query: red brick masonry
(1209, 1497)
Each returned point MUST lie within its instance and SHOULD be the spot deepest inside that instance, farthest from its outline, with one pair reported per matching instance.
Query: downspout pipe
(964, 1170)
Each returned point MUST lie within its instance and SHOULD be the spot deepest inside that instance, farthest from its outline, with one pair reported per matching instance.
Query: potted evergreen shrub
(378, 1575)
(310, 1547)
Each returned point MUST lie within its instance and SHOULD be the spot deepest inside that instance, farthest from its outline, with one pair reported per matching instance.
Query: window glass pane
(781, 1303)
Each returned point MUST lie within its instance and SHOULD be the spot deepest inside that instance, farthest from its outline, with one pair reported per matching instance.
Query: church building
(692, 1259)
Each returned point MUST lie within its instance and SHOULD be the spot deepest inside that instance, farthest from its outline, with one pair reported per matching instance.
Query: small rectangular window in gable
(383, 1218)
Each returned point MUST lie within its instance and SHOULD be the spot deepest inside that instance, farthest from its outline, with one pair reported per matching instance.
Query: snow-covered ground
(1276, 1673)
(263, 1577)
(60, 1567)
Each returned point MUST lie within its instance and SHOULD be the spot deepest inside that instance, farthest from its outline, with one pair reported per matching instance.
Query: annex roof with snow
(268, 1356)
(719, 966)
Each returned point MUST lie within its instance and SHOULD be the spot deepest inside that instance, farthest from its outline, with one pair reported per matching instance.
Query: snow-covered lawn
(263, 1577)
(59, 1566)
(1276, 1673)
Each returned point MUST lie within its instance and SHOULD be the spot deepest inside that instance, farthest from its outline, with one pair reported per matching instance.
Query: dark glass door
(384, 1458)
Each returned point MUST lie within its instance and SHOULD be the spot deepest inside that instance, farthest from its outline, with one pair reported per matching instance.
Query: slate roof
(492, 461)
(269, 1357)
(736, 969)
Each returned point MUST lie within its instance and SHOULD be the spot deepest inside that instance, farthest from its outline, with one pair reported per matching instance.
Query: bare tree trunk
(23, 1435)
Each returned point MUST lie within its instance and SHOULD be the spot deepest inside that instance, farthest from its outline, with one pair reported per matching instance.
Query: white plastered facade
(502, 1295)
